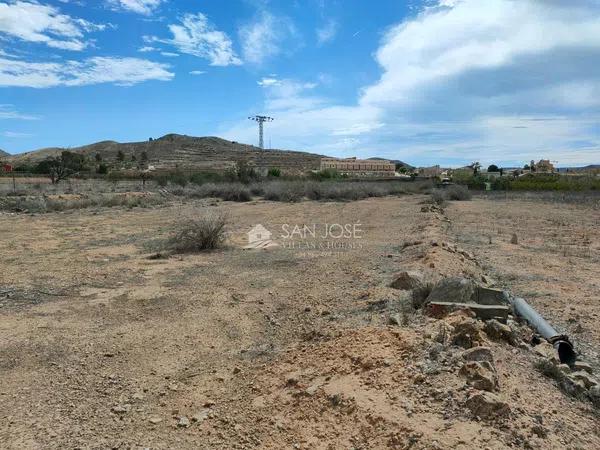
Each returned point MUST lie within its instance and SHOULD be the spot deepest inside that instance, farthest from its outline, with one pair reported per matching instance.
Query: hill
(395, 161)
(175, 151)
(3, 153)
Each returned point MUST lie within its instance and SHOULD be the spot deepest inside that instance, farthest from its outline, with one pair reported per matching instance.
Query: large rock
(481, 375)
(408, 280)
(595, 395)
(455, 289)
(584, 377)
(487, 405)
(478, 354)
(467, 332)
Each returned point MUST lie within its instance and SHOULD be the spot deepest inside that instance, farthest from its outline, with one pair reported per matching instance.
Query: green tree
(493, 168)
(98, 157)
(121, 155)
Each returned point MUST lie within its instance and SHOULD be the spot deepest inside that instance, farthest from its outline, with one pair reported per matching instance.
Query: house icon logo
(260, 237)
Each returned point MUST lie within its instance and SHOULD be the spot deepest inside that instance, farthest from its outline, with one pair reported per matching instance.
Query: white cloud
(267, 36)
(268, 81)
(147, 49)
(9, 112)
(120, 71)
(198, 37)
(15, 134)
(197, 72)
(145, 7)
(170, 54)
(327, 32)
(501, 81)
(33, 22)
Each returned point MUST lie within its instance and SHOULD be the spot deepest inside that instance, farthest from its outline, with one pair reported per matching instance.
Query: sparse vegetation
(457, 193)
(197, 235)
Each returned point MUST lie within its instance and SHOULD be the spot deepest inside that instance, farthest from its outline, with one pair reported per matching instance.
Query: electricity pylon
(261, 120)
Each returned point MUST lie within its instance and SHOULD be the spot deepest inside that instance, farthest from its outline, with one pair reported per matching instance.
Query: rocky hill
(186, 153)
(3, 153)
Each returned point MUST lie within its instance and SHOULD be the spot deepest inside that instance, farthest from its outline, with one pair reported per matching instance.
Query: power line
(261, 120)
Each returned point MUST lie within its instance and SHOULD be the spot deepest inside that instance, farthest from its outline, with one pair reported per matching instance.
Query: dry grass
(197, 235)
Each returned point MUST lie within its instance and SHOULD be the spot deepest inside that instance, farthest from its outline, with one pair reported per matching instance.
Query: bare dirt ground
(103, 347)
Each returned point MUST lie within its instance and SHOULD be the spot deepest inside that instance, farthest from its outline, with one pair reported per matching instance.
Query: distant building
(430, 172)
(360, 167)
(544, 166)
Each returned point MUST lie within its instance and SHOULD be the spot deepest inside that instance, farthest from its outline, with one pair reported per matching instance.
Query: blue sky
(428, 82)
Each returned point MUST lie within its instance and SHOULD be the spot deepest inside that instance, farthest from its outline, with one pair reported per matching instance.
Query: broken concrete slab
(485, 312)
(490, 296)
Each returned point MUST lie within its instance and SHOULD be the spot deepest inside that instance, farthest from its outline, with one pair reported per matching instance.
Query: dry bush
(458, 192)
(197, 235)
(438, 198)
(234, 192)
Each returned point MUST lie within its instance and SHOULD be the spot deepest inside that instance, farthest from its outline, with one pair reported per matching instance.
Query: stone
(201, 416)
(499, 331)
(547, 350)
(121, 409)
(487, 405)
(483, 312)
(580, 365)
(467, 332)
(564, 369)
(138, 396)
(454, 289)
(584, 377)
(407, 280)
(183, 422)
(155, 420)
(481, 375)
(478, 354)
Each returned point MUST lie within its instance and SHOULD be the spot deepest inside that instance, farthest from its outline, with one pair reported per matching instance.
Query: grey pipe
(562, 344)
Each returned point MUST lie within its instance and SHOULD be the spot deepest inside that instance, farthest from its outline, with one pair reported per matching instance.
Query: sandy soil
(103, 347)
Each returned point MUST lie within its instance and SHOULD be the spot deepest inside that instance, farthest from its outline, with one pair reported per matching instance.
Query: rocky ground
(305, 345)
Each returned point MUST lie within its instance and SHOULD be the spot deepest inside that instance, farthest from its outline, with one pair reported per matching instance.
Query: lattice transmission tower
(261, 121)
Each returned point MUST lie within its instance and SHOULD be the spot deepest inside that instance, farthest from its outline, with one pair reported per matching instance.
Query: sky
(427, 82)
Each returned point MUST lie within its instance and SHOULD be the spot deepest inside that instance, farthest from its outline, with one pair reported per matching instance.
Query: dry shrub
(458, 192)
(197, 235)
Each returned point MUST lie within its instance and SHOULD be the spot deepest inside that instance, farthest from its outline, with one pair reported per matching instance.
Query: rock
(487, 405)
(514, 239)
(478, 354)
(584, 377)
(138, 396)
(455, 289)
(580, 365)
(183, 422)
(467, 332)
(444, 333)
(540, 431)
(407, 280)
(121, 409)
(547, 350)
(481, 375)
(499, 331)
(201, 415)
(155, 420)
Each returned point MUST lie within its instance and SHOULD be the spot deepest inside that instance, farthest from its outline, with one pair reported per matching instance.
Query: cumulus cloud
(120, 71)
(196, 36)
(33, 22)
(267, 36)
(145, 7)
(500, 80)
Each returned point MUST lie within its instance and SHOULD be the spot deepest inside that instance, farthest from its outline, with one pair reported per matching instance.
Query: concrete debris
(483, 312)
(454, 289)
(585, 378)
